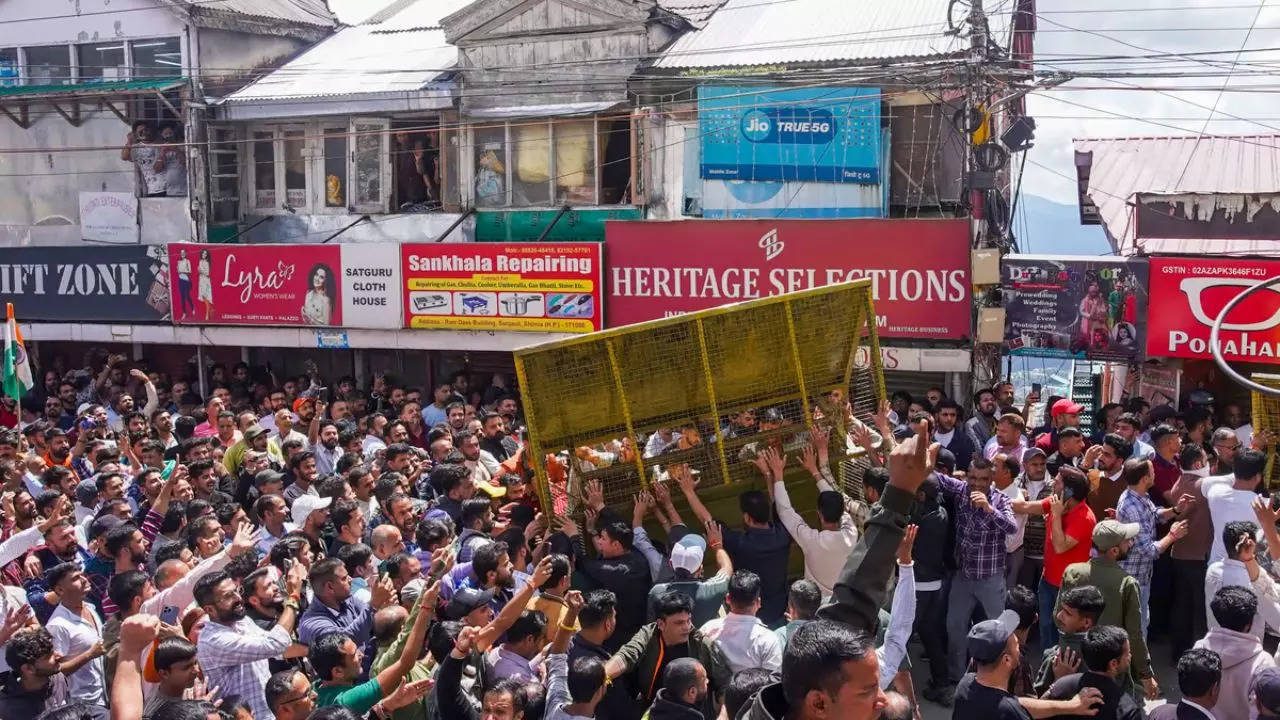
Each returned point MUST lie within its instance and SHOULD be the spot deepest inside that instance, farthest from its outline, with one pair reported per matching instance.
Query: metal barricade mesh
(713, 386)
(1266, 417)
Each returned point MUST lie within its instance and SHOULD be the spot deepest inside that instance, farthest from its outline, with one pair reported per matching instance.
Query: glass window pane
(295, 169)
(161, 57)
(8, 67)
(101, 61)
(368, 179)
(335, 167)
(575, 162)
(532, 151)
(48, 65)
(491, 166)
(264, 170)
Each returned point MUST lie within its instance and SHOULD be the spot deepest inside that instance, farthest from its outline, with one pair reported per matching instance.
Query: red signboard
(919, 269)
(256, 284)
(1188, 294)
(540, 287)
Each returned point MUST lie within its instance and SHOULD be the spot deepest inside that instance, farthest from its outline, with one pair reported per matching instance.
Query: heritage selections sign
(919, 269)
(544, 287)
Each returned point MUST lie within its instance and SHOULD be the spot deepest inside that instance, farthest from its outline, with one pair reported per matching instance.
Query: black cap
(989, 638)
(267, 476)
(467, 600)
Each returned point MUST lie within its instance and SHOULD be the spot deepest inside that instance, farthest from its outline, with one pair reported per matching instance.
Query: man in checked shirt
(983, 519)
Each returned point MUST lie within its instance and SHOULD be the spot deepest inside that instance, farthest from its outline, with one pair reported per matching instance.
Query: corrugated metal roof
(697, 12)
(94, 89)
(775, 32)
(402, 54)
(308, 12)
(1120, 168)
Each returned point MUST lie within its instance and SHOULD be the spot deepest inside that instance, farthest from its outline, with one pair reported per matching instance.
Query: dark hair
(441, 639)
(745, 684)
(58, 573)
(815, 656)
(431, 531)
(473, 509)
(1162, 431)
(287, 547)
(27, 646)
(46, 499)
(169, 551)
(1234, 531)
(806, 598)
(586, 676)
(485, 558)
(681, 675)
(355, 474)
(1134, 470)
(1012, 465)
(118, 538)
(174, 517)
(620, 531)
(1074, 482)
(1086, 600)
(1189, 455)
(876, 477)
(1102, 645)
(342, 512)
(203, 591)
(125, 586)
(278, 686)
(201, 528)
(830, 506)
(1199, 669)
(1248, 463)
(600, 605)
(104, 477)
(1234, 607)
(225, 512)
(560, 570)
(446, 477)
(397, 563)
(1021, 600)
(326, 654)
(388, 484)
(1070, 432)
(354, 556)
(172, 650)
(86, 711)
(755, 504)
(323, 571)
(744, 588)
(296, 461)
(531, 623)
(672, 602)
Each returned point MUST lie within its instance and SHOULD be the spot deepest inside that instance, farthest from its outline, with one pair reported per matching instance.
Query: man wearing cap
(981, 695)
(310, 513)
(1120, 591)
(686, 561)
(1265, 691)
(255, 438)
(1063, 414)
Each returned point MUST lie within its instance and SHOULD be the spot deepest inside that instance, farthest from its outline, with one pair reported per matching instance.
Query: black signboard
(1082, 307)
(86, 283)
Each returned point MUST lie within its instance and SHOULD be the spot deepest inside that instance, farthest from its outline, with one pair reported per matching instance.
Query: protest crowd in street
(307, 548)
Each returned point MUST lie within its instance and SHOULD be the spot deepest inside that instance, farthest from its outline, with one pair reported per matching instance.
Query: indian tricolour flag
(17, 368)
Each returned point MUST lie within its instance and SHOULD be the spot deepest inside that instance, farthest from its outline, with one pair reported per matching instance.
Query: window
(574, 161)
(101, 61)
(295, 169)
(369, 173)
(335, 167)
(264, 170)
(224, 174)
(161, 57)
(8, 67)
(47, 65)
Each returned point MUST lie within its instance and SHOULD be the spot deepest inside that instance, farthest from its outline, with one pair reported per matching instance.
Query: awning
(15, 99)
(535, 111)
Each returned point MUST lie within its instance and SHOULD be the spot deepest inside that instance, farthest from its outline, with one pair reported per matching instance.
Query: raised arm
(136, 634)
(685, 480)
(1061, 541)
(390, 677)
(902, 613)
(715, 541)
(490, 633)
(662, 496)
(153, 400)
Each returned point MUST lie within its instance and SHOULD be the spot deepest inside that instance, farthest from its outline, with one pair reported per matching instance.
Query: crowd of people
(280, 548)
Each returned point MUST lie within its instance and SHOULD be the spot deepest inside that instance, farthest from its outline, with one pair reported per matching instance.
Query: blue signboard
(799, 134)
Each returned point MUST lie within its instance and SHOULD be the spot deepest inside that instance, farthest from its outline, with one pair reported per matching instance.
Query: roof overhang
(537, 111)
(66, 99)
(437, 97)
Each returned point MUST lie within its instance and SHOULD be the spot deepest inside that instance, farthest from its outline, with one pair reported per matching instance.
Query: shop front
(919, 271)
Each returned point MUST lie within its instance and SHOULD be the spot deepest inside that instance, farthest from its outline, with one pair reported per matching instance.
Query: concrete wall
(223, 53)
(406, 228)
(84, 21)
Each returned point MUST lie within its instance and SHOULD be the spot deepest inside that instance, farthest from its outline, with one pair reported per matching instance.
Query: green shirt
(359, 699)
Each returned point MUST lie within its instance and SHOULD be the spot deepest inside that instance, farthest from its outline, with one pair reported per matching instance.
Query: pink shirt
(204, 430)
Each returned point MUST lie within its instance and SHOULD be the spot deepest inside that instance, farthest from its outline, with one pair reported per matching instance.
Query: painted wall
(84, 21)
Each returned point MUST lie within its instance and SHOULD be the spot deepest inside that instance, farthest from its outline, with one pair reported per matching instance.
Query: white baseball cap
(688, 552)
(305, 505)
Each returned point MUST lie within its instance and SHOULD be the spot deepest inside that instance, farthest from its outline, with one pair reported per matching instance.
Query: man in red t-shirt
(1070, 532)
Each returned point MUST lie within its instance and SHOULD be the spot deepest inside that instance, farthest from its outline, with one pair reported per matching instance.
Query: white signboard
(109, 217)
(371, 286)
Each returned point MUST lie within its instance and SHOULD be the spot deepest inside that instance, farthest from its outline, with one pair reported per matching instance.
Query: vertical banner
(540, 287)
(1081, 307)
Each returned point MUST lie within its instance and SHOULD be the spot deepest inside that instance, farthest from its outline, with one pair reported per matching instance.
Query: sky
(1072, 30)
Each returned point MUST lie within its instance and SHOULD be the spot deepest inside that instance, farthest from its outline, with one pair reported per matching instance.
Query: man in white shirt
(1230, 497)
(1241, 568)
(827, 546)
(77, 634)
(745, 641)
(1004, 471)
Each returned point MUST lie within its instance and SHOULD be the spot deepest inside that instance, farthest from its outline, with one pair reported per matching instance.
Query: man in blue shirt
(335, 610)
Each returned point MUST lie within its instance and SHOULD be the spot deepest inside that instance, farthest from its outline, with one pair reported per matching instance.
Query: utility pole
(985, 358)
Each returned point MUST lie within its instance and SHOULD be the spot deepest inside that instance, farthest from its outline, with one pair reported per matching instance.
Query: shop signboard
(1086, 308)
(919, 269)
(109, 217)
(528, 225)
(537, 287)
(349, 285)
(1190, 294)
(86, 283)
(822, 134)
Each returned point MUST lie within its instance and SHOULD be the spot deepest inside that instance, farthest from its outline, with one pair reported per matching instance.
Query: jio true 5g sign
(809, 134)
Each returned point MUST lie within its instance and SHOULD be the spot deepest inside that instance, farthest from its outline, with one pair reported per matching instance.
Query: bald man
(387, 541)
